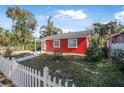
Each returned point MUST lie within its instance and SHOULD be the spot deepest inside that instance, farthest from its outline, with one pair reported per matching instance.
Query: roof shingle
(68, 35)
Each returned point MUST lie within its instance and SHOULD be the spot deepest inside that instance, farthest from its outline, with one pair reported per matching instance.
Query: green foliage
(58, 55)
(105, 52)
(118, 59)
(94, 54)
(24, 23)
(101, 33)
(8, 52)
(49, 29)
(6, 37)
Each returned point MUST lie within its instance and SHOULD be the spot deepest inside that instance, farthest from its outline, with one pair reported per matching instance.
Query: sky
(68, 17)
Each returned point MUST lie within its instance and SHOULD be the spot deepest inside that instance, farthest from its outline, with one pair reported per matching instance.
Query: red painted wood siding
(82, 46)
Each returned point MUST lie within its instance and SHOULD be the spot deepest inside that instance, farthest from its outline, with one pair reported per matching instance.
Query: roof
(116, 34)
(68, 35)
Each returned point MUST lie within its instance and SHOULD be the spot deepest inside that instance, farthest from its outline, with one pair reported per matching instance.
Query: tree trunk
(20, 46)
(13, 22)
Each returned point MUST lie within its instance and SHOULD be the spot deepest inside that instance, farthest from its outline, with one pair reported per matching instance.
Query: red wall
(82, 46)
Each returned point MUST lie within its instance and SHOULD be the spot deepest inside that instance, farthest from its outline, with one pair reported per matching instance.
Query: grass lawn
(83, 73)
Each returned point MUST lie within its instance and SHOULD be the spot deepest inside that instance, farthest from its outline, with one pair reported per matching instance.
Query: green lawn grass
(83, 73)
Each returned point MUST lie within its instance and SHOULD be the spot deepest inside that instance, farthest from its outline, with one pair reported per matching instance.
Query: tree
(12, 13)
(6, 37)
(2, 37)
(49, 29)
(112, 29)
(24, 25)
(99, 35)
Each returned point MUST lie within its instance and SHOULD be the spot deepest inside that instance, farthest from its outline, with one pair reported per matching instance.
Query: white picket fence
(23, 76)
(27, 57)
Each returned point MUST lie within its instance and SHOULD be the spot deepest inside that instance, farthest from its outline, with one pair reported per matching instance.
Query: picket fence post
(60, 82)
(54, 81)
(73, 85)
(39, 75)
(49, 81)
(45, 76)
(66, 84)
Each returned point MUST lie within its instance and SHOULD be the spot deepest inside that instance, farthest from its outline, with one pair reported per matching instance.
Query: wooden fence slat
(66, 84)
(49, 81)
(39, 75)
(27, 77)
(32, 78)
(60, 82)
(73, 85)
(45, 76)
(29, 73)
(54, 81)
(36, 78)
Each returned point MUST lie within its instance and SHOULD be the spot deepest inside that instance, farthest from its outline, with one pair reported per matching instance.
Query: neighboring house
(117, 41)
(73, 42)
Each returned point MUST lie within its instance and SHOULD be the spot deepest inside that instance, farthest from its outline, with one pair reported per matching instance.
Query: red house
(74, 42)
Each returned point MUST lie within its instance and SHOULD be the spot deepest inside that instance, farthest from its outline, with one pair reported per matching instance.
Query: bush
(94, 54)
(105, 52)
(58, 55)
(8, 52)
(119, 60)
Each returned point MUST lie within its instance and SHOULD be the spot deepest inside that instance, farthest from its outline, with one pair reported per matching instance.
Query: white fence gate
(23, 76)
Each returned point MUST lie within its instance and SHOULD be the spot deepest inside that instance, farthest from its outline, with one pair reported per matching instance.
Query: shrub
(118, 59)
(58, 55)
(8, 52)
(105, 52)
(94, 54)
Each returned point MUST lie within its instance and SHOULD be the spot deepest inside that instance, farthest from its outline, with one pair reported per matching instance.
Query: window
(72, 43)
(56, 43)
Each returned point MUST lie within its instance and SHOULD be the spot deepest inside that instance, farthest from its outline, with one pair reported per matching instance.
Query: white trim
(44, 45)
(54, 44)
(87, 38)
(76, 43)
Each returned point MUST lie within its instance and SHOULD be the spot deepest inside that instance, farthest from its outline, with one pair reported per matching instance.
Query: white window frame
(55, 45)
(73, 46)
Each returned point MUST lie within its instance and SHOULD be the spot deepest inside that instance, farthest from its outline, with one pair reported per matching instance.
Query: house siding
(117, 41)
(121, 38)
(82, 46)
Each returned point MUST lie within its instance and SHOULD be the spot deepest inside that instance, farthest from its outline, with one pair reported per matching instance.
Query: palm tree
(49, 29)
(12, 13)
(99, 35)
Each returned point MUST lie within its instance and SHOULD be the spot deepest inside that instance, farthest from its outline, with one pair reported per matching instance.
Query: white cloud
(43, 17)
(72, 14)
(120, 16)
(66, 30)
